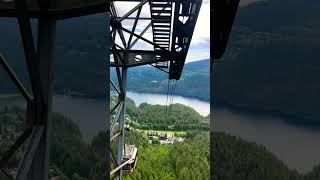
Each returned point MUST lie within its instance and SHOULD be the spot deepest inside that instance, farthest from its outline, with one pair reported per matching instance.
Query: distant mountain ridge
(80, 61)
(194, 82)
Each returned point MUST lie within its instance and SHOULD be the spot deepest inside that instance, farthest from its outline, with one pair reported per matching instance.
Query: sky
(200, 43)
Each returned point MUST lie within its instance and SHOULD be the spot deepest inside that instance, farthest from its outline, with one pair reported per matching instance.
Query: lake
(202, 107)
(89, 114)
(298, 147)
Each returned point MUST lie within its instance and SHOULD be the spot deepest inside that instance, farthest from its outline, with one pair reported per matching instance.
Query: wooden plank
(119, 167)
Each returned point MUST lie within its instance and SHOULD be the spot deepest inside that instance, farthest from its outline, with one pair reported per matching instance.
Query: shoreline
(291, 119)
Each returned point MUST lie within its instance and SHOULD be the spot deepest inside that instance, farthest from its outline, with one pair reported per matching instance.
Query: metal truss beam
(147, 57)
(133, 10)
(182, 33)
(28, 158)
(8, 154)
(140, 35)
(35, 162)
(119, 121)
(15, 79)
(224, 15)
(142, 38)
(134, 25)
(118, 168)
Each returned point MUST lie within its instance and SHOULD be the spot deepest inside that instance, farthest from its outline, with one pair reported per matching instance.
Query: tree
(155, 141)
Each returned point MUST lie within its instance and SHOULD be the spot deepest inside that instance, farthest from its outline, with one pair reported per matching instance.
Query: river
(298, 147)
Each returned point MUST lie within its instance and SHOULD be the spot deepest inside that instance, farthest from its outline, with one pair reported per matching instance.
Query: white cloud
(196, 54)
(200, 44)
(123, 8)
(202, 30)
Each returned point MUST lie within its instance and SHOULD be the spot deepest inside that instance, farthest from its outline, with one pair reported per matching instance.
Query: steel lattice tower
(171, 23)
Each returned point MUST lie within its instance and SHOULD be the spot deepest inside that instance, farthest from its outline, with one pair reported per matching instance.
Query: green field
(178, 133)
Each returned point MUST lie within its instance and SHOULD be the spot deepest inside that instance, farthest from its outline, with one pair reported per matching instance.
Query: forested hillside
(80, 62)
(171, 162)
(194, 82)
(175, 117)
(70, 156)
(236, 159)
(272, 63)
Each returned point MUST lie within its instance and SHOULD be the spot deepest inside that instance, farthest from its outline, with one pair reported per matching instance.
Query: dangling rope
(172, 96)
(167, 97)
(174, 91)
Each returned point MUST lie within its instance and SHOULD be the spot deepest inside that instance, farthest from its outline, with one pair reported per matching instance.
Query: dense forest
(70, 156)
(174, 117)
(236, 159)
(183, 160)
(233, 158)
(241, 160)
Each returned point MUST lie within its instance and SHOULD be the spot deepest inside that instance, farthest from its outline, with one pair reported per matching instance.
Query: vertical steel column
(121, 142)
(107, 153)
(45, 55)
(211, 124)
